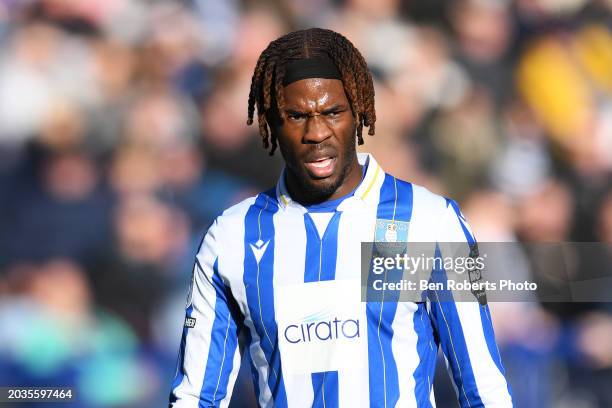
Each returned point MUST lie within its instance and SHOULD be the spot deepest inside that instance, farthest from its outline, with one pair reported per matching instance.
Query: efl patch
(190, 322)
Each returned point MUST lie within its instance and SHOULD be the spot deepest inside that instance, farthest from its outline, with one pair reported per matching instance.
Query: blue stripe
(403, 211)
(395, 203)
(325, 388)
(330, 248)
(321, 255)
(427, 350)
(258, 281)
(445, 316)
(223, 344)
(311, 267)
(248, 338)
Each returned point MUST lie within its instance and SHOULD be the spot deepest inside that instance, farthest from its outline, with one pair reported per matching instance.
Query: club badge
(391, 237)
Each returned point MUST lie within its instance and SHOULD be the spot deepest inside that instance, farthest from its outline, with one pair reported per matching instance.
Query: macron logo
(259, 249)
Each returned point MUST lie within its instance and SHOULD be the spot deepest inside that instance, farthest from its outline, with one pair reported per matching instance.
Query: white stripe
(432, 398)
(404, 347)
(261, 364)
(289, 261)
(356, 226)
(491, 384)
(224, 403)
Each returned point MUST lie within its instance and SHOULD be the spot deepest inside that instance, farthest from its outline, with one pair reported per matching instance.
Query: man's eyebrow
(335, 107)
(294, 111)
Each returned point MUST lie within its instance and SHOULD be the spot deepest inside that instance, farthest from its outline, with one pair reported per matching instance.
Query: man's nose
(317, 129)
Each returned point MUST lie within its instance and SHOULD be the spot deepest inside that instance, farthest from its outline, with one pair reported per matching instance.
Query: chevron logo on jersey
(259, 249)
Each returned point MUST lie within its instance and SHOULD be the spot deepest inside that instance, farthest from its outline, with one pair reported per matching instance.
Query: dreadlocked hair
(267, 81)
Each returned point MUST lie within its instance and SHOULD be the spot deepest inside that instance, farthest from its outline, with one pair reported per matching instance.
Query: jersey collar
(366, 192)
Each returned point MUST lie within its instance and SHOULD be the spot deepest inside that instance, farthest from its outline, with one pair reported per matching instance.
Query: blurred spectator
(523, 162)
(604, 229)
(148, 235)
(484, 35)
(67, 341)
(49, 214)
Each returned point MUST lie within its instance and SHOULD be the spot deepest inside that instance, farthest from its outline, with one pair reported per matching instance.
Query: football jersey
(283, 281)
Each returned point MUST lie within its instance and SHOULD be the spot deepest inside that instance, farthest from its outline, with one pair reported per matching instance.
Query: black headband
(310, 68)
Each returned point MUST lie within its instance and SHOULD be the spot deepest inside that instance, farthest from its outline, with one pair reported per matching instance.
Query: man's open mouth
(321, 168)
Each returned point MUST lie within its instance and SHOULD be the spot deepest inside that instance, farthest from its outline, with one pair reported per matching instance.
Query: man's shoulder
(432, 214)
(424, 201)
(266, 200)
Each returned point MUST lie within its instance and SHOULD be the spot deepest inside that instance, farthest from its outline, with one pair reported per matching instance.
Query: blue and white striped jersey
(286, 278)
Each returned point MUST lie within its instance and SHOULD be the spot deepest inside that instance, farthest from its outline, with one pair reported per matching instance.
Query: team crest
(391, 231)
(390, 237)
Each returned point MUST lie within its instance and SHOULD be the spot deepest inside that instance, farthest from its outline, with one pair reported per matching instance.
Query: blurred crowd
(123, 134)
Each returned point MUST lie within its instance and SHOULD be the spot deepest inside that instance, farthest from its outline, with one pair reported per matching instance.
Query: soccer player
(281, 271)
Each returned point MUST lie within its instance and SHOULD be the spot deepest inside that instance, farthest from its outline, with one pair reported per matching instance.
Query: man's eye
(294, 116)
(332, 114)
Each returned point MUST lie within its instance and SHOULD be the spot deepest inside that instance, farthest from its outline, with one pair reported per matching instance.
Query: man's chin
(318, 190)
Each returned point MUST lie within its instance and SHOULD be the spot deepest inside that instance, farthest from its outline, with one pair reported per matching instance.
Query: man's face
(317, 139)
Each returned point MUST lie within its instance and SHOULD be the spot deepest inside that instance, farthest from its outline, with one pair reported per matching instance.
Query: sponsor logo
(321, 329)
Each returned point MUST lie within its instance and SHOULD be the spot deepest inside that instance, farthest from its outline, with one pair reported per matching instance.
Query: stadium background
(122, 135)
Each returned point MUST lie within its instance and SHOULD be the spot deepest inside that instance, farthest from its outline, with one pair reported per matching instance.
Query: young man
(281, 271)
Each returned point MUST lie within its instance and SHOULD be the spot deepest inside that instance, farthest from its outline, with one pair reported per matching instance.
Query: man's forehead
(321, 90)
